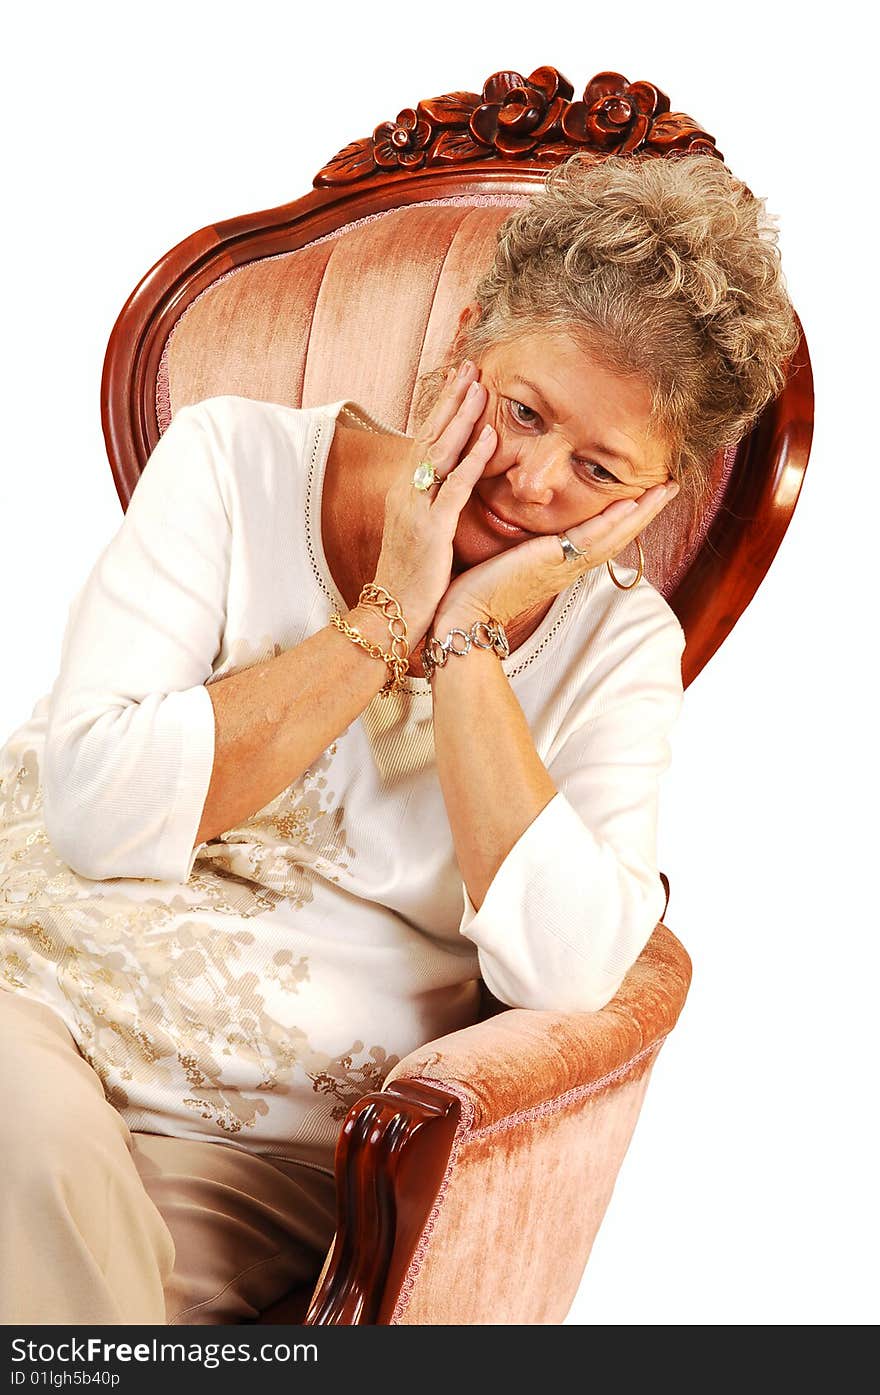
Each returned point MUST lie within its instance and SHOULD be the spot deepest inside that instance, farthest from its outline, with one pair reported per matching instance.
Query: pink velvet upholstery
(513, 1229)
(294, 328)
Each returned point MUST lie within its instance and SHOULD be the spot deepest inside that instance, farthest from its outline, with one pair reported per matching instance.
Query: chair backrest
(356, 289)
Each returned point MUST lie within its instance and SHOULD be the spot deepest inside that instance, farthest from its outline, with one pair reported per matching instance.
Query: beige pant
(102, 1225)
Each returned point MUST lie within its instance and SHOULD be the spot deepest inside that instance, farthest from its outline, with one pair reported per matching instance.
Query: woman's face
(571, 438)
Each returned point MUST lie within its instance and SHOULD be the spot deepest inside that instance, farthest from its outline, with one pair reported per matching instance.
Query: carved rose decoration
(619, 116)
(517, 113)
(402, 142)
(614, 114)
(515, 117)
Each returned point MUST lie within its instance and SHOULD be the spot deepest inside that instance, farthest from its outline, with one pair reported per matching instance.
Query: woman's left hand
(525, 576)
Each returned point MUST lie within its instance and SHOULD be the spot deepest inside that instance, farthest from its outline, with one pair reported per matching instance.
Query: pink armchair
(493, 1151)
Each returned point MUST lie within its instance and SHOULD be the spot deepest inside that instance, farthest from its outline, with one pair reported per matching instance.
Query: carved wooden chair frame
(396, 1143)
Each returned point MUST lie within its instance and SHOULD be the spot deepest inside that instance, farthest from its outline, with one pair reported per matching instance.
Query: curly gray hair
(667, 269)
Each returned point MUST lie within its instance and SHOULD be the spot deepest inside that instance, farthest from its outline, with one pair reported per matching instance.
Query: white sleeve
(577, 897)
(130, 727)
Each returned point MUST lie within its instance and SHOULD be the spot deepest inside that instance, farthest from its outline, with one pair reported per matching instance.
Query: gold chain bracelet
(398, 659)
(374, 594)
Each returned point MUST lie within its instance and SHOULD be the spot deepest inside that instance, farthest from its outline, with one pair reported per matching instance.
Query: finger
(629, 524)
(456, 488)
(617, 525)
(637, 510)
(447, 404)
(465, 406)
(447, 449)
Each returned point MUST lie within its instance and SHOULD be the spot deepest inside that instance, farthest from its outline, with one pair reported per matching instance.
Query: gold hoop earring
(639, 574)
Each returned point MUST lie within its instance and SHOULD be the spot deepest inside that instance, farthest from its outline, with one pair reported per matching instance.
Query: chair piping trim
(465, 1133)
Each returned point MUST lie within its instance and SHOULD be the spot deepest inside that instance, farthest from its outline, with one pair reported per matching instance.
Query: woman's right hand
(415, 559)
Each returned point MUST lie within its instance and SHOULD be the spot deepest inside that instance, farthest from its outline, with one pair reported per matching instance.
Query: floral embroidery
(295, 839)
(347, 1082)
(20, 793)
(165, 988)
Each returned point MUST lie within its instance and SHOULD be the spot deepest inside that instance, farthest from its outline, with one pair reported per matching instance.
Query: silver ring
(569, 551)
(424, 476)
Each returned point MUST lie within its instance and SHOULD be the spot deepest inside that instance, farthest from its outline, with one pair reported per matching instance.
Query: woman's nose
(538, 475)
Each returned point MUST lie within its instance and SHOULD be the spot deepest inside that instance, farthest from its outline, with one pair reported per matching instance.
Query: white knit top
(252, 988)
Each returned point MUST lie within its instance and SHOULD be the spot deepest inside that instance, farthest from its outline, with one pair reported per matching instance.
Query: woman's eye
(528, 417)
(594, 471)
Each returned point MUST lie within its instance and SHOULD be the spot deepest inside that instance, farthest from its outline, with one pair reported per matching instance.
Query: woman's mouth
(500, 526)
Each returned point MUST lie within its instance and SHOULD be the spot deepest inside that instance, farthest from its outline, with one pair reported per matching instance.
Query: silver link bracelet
(485, 634)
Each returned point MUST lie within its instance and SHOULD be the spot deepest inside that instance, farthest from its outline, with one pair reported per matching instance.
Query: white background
(747, 1196)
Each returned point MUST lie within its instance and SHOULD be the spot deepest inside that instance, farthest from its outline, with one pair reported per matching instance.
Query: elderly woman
(346, 720)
